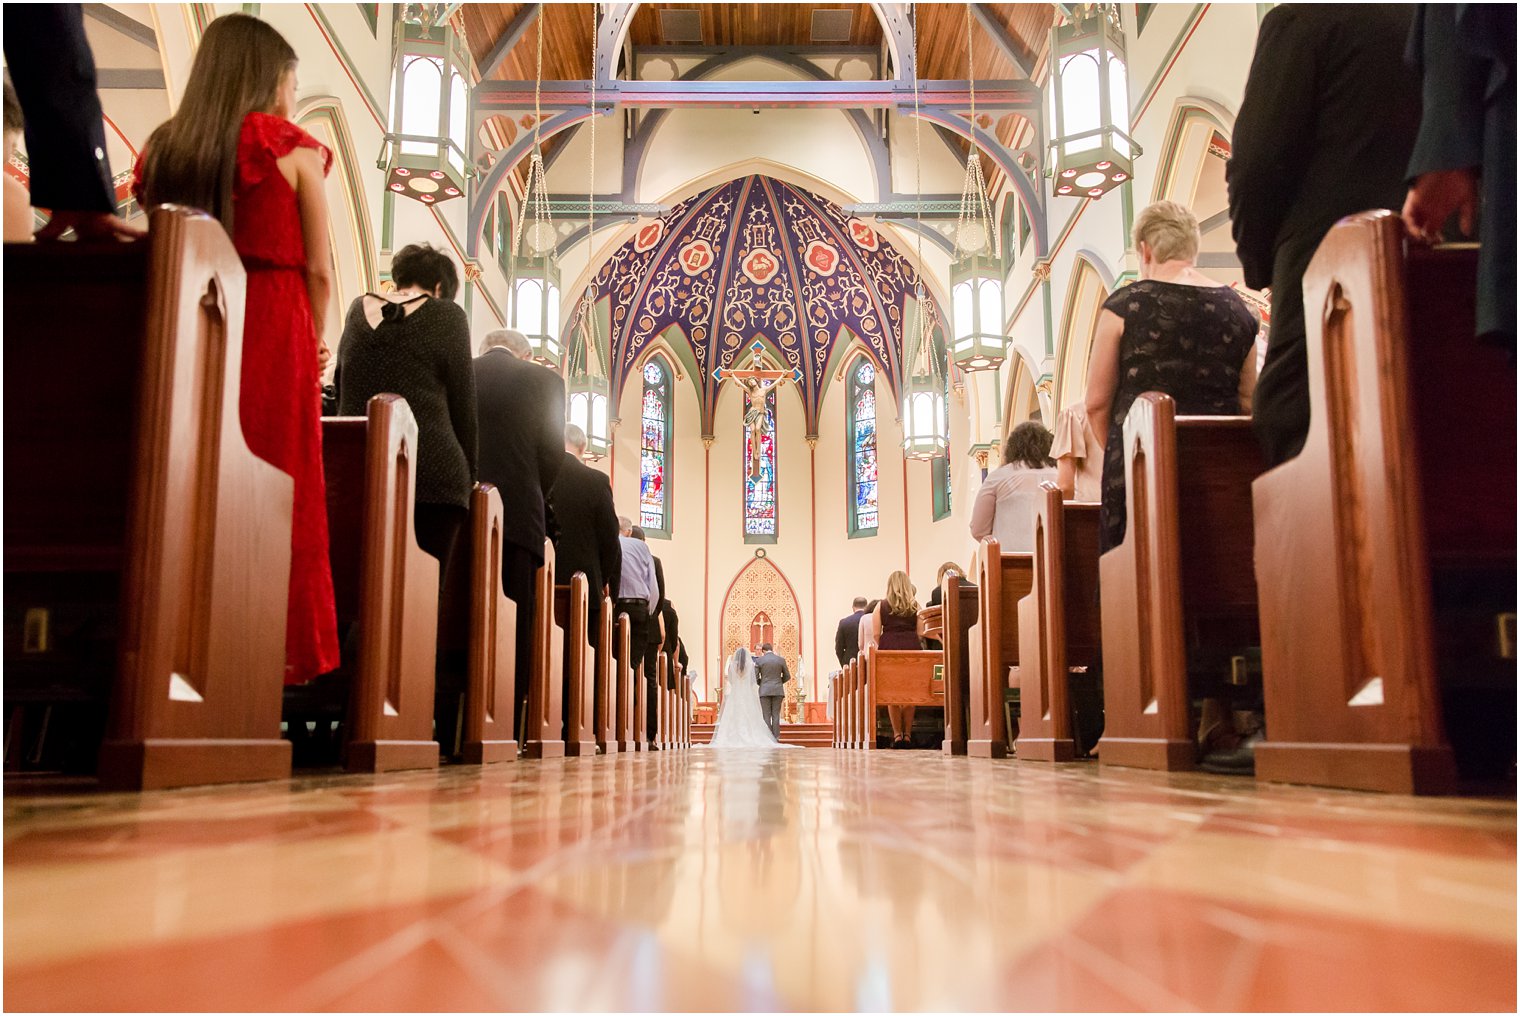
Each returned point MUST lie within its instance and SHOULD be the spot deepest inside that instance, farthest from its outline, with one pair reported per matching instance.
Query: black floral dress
(1188, 342)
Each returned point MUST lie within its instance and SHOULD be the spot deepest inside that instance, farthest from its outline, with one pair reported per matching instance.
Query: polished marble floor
(804, 879)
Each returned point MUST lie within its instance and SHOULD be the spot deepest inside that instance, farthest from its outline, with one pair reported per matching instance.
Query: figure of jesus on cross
(757, 383)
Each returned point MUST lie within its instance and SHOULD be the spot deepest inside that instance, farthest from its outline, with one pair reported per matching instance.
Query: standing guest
(585, 533)
(1174, 331)
(895, 623)
(521, 405)
(671, 623)
(230, 146)
(1466, 145)
(50, 62)
(415, 343)
(1078, 452)
(937, 597)
(18, 204)
(1005, 504)
(640, 599)
(847, 635)
(1328, 90)
(656, 631)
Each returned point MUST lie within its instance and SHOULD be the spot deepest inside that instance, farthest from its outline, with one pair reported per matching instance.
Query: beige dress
(1074, 437)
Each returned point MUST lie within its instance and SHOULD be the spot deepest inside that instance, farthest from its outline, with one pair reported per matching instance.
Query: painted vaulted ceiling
(750, 260)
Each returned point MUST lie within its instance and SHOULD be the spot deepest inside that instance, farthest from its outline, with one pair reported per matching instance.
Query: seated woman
(1078, 451)
(1005, 504)
(936, 597)
(1174, 331)
(894, 625)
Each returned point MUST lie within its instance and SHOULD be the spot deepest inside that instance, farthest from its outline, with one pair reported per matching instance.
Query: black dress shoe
(1237, 761)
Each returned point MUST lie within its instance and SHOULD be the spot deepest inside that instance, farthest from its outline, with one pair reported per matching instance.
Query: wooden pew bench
(491, 694)
(1385, 551)
(543, 730)
(147, 550)
(1058, 624)
(383, 583)
(896, 677)
(1178, 592)
(1002, 580)
(605, 707)
(572, 614)
(958, 613)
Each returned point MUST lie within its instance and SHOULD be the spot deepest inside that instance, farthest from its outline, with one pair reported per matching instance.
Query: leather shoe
(1237, 761)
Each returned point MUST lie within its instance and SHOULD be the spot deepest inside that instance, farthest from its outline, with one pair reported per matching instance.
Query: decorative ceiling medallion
(697, 257)
(863, 235)
(646, 239)
(760, 266)
(821, 258)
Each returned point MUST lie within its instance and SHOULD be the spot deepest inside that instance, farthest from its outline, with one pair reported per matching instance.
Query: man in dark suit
(53, 71)
(773, 674)
(521, 408)
(586, 537)
(1324, 131)
(657, 637)
(847, 636)
(1466, 145)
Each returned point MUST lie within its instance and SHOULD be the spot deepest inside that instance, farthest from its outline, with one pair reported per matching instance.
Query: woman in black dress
(1178, 332)
(1174, 331)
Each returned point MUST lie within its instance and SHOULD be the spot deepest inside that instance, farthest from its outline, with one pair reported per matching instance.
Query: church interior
(803, 274)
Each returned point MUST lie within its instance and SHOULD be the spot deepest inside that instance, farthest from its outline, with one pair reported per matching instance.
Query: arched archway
(1084, 303)
(761, 590)
(349, 231)
(1191, 173)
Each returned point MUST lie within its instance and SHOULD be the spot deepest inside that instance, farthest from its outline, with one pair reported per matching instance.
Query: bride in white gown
(741, 724)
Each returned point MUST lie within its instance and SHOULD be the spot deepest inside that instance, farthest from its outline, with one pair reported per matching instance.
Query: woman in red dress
(231, 149)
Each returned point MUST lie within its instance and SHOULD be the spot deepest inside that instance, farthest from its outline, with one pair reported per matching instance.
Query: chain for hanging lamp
(973, 228)
(541, 239)
(922, 361)
(592, 365)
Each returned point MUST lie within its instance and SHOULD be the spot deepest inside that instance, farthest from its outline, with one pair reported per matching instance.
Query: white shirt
(1005, 506)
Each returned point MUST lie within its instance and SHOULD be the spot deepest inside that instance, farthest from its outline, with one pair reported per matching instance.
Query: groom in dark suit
(772, 673)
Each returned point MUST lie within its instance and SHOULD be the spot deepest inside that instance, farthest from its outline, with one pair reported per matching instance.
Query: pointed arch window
(861, 468)
(654, 450)
(760, 515)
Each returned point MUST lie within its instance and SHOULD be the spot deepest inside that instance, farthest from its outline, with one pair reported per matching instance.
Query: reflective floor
(804, 879)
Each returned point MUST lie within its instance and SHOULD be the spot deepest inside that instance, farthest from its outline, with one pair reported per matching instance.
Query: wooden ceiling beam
(1004, 40)
(508, 39)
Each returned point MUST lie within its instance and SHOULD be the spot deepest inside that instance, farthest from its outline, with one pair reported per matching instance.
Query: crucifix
(757, 382)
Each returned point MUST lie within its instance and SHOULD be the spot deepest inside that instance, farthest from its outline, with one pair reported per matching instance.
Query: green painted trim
(375, 109)
(939, 471)
(1127, 211)
(1166, 61)
(469, 292)
(1050, 327)
(252, 10)
(1261, 11)
(387, 223)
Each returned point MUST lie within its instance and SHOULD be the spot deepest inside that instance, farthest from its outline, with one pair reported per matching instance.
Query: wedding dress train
(741, 724)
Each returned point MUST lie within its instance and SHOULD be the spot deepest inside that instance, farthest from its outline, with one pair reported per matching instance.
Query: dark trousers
(645, 655)
(519, 568)
(770, 708)
(1280, 403)
(437, 528)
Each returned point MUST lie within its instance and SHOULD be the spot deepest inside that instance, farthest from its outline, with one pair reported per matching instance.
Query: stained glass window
(654, 451)
(862, 449)
(942, 491)
(760, 489)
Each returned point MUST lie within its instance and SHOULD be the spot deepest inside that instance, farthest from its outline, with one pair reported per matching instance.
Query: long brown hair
(192, 157)
(900, 598)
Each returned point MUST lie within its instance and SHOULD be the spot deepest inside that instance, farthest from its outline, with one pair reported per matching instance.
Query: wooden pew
(835, 739)
(898, 677)
(491, 694)
(1058, 624)
(1002, 580)
(627, 674)
(856, 706)
(131, 496)
(1385, 550)
(957, 613)
(606, 681)
(385, 583)
(661, 736)
(542, 737)
(572, 615)
(1179, 589)
(845, 706)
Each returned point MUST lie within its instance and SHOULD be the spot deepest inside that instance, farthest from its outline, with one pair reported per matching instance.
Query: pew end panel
(958, 599)
(492, 690)
(1180, 578)
(606, 680)
(572, 612)
(1058, 624)
(626, 678)
(1395, 503)
(391, 695)
(543, 737)
(125, 365)
(1002, 580)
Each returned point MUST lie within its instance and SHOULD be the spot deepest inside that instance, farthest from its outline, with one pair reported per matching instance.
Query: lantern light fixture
(1089, 103)
(424, 153)
(976, 304)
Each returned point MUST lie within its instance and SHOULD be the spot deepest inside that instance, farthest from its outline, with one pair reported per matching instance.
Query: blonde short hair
(1169, 229)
